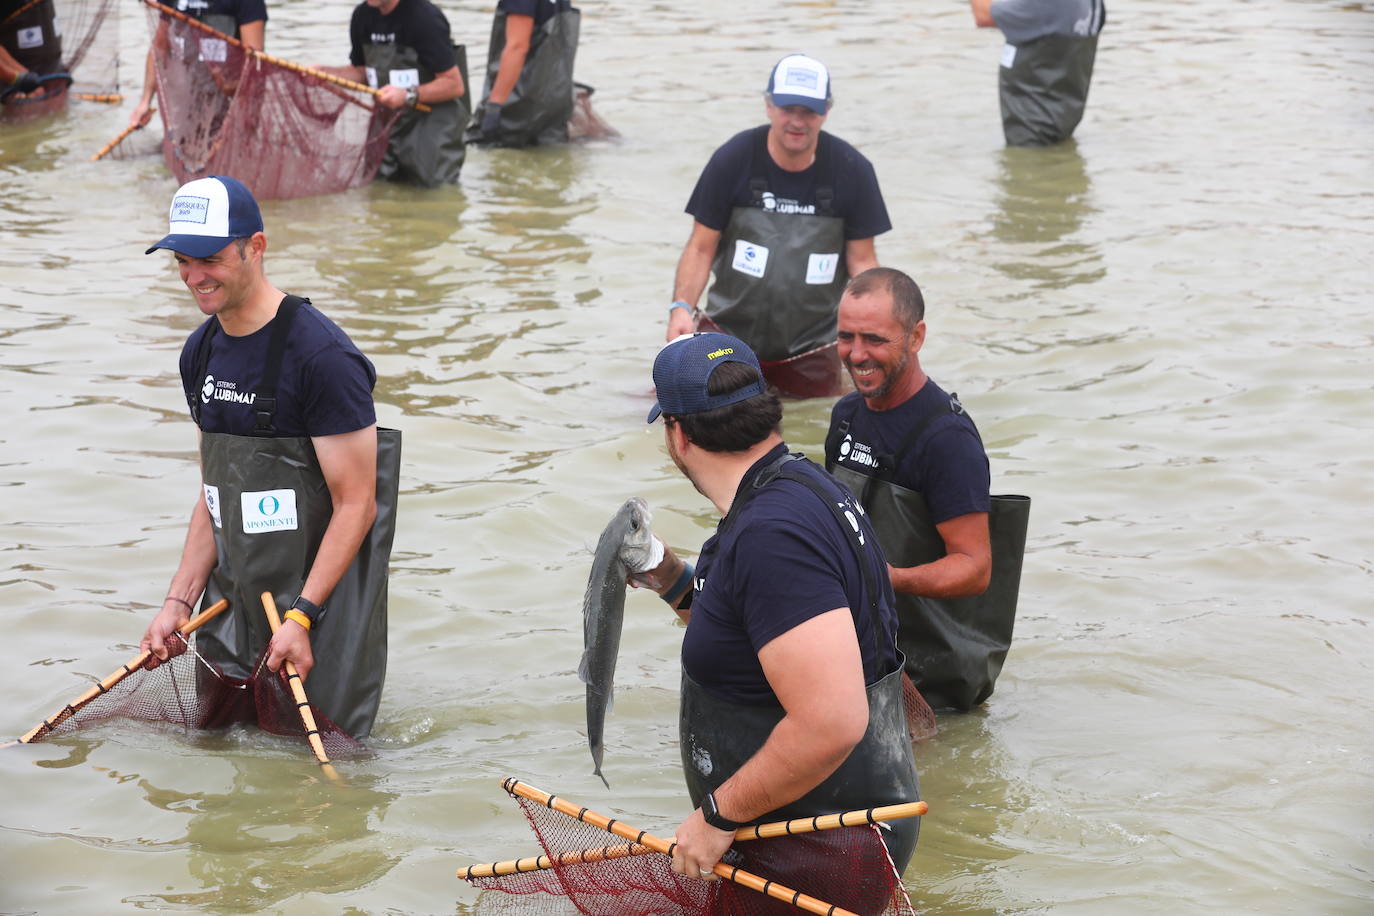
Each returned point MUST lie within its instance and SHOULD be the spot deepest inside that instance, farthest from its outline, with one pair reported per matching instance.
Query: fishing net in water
(847, 867)
(86, 49)
(190, 691)
(282, 132)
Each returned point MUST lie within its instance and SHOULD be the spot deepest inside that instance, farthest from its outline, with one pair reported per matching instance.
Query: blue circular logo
(269, 505)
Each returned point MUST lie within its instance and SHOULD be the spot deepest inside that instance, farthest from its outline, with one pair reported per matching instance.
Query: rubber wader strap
(265, 394)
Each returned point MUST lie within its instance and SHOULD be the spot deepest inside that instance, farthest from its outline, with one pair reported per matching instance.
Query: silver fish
(624, 546)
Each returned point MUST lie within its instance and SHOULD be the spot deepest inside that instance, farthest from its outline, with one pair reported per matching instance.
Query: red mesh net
(283, 133)
(847, 867)
(920, 718)
(90, 56)
(190, 691)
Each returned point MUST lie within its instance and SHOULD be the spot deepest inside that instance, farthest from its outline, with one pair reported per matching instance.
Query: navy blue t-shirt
(324, 387)
(777, 562)
(541, 10)
(947, 464)
(724, 185)
(242, 11)
(416, 24)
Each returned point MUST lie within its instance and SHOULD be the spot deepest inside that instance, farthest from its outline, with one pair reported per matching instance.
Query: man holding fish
(791, 697)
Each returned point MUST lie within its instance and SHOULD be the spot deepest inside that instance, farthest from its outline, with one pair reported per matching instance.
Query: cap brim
(654, 413)
(819, 106)
(193, 246)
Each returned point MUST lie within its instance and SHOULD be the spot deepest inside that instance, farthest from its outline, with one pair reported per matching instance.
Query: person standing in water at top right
(1047, 64)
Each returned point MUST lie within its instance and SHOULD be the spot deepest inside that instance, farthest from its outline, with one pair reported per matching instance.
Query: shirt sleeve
(1019, 20)
(788, 573)
(251, 11)
(433, 41)
(956, 480)
(338, 396)
(519, 7)
(714, 195)
(868, 213)
(357, 36)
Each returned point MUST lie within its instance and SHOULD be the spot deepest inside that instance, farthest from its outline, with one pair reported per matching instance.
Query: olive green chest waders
(717, 736)
(538, 108)
(269, 507)
(779, 276)
(426, 147)
(954, 647)
(1043, 84)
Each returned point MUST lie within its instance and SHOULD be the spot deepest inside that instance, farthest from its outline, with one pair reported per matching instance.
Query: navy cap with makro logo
(682, 372)
(800, 80)
(207, 214)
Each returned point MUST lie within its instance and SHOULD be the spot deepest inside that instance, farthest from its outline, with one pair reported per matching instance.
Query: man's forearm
(693, 269)
(198, 557)
(345, 533)
(793, 761)
(952, 576)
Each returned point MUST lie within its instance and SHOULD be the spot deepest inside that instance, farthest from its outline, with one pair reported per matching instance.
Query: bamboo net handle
(100, 153)
(289, 65)
(758, 831)
(625, 831)
(293, 677)
(112, 98)
(119, 674)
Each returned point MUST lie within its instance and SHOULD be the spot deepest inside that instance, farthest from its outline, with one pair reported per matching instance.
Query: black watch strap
(309, 609)
(711, 812)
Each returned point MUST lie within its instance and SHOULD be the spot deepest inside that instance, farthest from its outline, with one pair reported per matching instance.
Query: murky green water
(1164, 334)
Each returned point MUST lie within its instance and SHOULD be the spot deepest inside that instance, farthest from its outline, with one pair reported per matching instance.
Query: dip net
(88, 36)
(847, 867)
(283, 130)
(190, 691)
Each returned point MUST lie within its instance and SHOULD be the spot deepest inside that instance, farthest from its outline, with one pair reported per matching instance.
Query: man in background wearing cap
(784, 214)
(791, 695)
(294, 470)
(404, 49)
(915, 460)
(1047, 64)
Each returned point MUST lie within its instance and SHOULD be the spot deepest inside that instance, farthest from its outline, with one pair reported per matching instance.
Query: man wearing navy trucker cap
(791, 693)
(298, 488)
(783, 214)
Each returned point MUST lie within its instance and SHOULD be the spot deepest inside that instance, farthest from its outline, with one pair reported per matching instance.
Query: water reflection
(1044, 196)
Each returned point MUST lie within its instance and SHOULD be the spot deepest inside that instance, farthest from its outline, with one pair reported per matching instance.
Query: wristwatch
(412, 97)
(711, 812)
(310, 609)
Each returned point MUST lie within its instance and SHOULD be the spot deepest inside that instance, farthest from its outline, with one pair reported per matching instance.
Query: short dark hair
(908, 305)
(735, 427)
(242, 245)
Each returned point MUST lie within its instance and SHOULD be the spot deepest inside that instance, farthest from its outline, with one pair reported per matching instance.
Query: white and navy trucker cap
(208, 214)
(800, 80)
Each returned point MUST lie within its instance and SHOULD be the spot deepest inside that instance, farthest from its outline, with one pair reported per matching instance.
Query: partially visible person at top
(791, 695)
(404, 49)
(30, 46)
(245, 20)
(911, 454)
(296, 495)
(1047, 64)
(529, 91)
(783, 214)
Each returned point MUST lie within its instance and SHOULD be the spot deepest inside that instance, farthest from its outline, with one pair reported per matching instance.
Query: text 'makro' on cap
(800, 80)
(207, 214)
(682, 371)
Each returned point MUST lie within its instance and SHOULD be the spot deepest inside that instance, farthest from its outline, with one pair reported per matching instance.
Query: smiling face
(880, 354)
(224, 281)
(794, 128)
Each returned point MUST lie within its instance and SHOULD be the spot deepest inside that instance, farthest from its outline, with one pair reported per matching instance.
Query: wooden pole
(113, 98)
(119, 674)
(293, 677)
(100, 154)
(289, 65)
(625, 831)
(758, 831)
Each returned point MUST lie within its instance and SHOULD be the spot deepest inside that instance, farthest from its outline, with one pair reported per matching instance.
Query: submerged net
(847, 867)
(192, 692)
(282, 132)
(88, 33)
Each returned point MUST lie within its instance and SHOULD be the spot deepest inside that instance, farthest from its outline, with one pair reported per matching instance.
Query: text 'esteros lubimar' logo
(268, 510)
